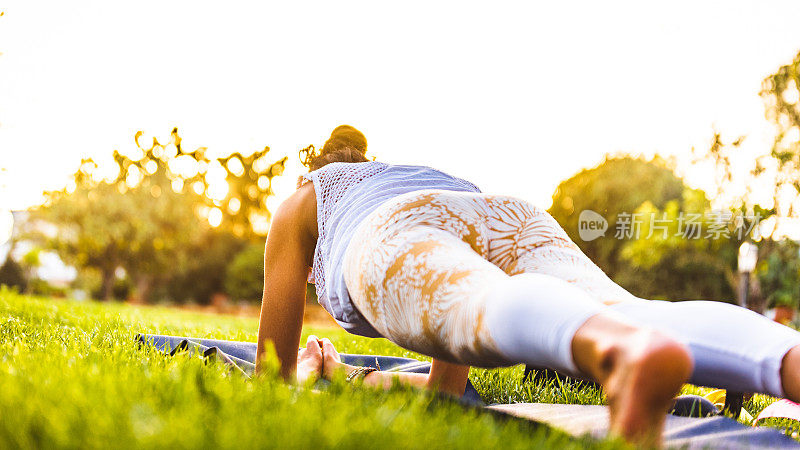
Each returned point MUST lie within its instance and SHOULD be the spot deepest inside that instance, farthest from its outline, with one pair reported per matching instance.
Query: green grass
(72, 376)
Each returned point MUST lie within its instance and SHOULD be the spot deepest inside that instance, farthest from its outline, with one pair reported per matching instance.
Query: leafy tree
(782, 97)
(663, 240)
(234, 188)
(31, 261)
(719, 153)
(167, 212)
(144, 228)
(250, 181)
(617, 185)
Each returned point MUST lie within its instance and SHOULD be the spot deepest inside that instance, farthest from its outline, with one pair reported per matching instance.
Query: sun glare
(791, 95)
(215, 217)
(233, 205)
(235, 166)
(260, 224)
(177, 185)
(183, 165)
(134, 177)
(217, 185)
(217, 189)
(198, 187)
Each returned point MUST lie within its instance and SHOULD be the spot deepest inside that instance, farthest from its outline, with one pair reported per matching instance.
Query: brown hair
(346, 144)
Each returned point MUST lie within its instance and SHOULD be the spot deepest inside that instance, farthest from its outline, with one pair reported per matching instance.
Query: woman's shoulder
(299, 211)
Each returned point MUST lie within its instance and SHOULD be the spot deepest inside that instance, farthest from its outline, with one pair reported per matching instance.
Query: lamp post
(748, 256)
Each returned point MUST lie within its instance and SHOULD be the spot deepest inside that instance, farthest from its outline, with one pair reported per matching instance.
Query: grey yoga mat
(716, 432)
(241, 357)
(683, 432)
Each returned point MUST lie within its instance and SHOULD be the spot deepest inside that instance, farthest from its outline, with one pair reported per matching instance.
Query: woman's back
(346, 193)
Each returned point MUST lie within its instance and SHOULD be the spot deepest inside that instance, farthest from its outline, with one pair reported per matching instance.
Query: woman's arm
(443, 377)
(448, 377)
(287, 256)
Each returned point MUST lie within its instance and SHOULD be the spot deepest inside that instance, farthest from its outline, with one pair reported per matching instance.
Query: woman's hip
(476, 218)
(503, 230)
(434, 224)
(511, 234)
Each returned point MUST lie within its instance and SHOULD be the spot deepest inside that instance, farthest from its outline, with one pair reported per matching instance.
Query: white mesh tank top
(346, 194)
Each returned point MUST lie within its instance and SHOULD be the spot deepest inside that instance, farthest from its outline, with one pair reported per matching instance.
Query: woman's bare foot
(645, 375)
(641, 371)
(332, 362)
(309, 361)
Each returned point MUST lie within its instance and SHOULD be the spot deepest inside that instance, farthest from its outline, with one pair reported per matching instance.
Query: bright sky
(515, 96)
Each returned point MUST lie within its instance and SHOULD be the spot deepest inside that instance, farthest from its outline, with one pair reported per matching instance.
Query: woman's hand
(444, 377)
(309, 361)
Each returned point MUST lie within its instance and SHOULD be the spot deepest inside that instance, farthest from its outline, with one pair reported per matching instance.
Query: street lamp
(748, 256)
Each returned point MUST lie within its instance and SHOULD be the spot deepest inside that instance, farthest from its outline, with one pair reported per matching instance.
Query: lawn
(72, 376)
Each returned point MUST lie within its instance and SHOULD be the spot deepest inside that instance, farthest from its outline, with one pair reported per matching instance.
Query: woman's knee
(524, 300)
(533, 317)
(537, 290)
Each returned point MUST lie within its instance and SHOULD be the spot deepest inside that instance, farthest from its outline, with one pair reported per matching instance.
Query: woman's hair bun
(345, 136)
(346, 144)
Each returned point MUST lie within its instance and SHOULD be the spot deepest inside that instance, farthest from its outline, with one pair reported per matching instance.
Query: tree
(250, 181)
(204, 272)
(233, 189)
(143, 228)
(163, 213)
(663, 239)
(617, 185)
(782, 98)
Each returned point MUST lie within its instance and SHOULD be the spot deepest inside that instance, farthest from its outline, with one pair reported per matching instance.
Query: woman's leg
(433, 294)
(732, 347)
(426, 289)
(641, 369)
(417, 269)
(526, 239)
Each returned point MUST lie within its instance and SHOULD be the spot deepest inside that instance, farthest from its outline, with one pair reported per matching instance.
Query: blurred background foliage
(617, 185)
(664, 265)
(779, 272)
(669, 266)
(166, 227)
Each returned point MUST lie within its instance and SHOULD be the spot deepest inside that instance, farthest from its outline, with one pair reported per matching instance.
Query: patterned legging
(489, 280)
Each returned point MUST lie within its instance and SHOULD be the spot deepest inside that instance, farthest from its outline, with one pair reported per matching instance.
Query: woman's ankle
(596, 342)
